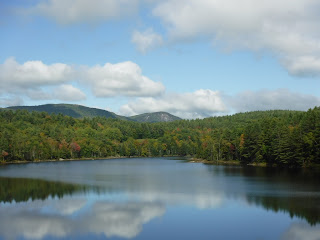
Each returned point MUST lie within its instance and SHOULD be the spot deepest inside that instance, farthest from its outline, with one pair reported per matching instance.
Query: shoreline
(59, 160)
(238, 163)
(187, 158)
(219, 162)
(72, 159)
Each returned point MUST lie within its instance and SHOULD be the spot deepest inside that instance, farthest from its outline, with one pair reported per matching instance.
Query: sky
(191, 58)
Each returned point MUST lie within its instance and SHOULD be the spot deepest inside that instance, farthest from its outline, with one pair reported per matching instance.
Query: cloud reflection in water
(53, 217)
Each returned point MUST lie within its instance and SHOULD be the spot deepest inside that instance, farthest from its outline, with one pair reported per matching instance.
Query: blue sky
(192, 58)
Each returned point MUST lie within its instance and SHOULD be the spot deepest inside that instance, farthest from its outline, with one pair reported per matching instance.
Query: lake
(157, 198)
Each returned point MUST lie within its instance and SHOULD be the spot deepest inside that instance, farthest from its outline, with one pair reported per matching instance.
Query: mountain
(155, 117)
(72, 110)
(78, 111)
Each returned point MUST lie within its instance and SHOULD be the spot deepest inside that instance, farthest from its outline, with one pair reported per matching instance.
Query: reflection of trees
(51, 206)
(293, 191)
(303, 207)
(23, 189)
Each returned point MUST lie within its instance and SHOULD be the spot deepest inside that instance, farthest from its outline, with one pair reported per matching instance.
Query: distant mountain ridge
(155, 117)
(72, 110)
(79, 111)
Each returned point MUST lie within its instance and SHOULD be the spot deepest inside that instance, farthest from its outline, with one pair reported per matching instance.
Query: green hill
(72, 110)
(78, 111)
(155, 117)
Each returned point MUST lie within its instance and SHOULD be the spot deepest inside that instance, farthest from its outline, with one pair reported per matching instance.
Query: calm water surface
(157, 198)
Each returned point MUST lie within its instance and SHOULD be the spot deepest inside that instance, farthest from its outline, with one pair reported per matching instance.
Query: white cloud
(54, 218)
(67, 206)
(38, 94)
(201, 200)
(199, 104)
(147, 40)
(122, 220)
(300, 231)
(271, 99)
(304, 66)
(32, 74)
(38, 81)
(206, 103)
(75, 11)
(64, 92)
(10, 101)
(121, 79)
(288, 28)
(68, 92)
(32, 79)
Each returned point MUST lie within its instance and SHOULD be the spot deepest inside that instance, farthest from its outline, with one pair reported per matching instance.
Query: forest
(274, 138)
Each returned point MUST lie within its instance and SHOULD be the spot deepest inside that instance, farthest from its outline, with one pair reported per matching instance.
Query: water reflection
(302, 231)
(302, 207)
(72, 216)
(121, 198)
(293, 191)
(23, 189)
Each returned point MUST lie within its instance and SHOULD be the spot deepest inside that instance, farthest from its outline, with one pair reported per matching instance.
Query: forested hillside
(72, 110)
(78, 111)
(284, 138)
(155, 117)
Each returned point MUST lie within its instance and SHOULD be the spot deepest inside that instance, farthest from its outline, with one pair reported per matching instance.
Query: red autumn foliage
(232, 148)
(4, 154)
(75, 147)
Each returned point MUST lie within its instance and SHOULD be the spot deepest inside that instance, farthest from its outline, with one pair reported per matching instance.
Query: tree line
(278, 137)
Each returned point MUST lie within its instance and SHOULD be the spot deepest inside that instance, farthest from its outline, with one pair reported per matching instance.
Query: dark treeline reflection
(294, 191)
(303, 207)
(23, 189)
